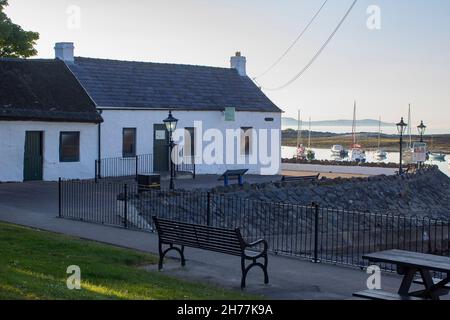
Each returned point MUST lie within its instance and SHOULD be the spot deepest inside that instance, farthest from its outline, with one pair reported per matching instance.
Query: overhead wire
(314, 58)
(293, 44)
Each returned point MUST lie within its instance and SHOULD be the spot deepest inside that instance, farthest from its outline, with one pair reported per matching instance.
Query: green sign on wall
(230, 113)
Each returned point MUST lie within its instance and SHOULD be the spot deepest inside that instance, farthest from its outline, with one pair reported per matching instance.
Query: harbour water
(392, 157)
(384, 129)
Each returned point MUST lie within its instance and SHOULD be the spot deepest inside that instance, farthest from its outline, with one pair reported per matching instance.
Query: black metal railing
(124, 166)
(314, 231)
(133, 166)
(184, 162)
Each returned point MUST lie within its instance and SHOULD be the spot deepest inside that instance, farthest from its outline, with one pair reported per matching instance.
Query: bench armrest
(255, 243)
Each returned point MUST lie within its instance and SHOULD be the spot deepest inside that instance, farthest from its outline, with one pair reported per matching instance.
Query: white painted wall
(143, 121)
(12, 145)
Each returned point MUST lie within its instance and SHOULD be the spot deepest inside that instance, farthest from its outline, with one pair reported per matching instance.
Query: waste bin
(148, 182)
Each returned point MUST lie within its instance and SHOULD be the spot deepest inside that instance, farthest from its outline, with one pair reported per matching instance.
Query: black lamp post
(401, 127)
(421, 128)
(171, 125)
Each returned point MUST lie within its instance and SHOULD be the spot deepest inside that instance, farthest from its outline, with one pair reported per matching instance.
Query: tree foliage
(14, 41)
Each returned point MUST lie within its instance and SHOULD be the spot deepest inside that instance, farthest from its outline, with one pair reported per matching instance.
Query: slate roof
(127, 84)
(43, 90)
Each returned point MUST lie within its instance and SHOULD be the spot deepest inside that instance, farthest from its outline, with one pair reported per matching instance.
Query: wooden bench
(178, 235)
(382, 295)
(230, 174)
(300, 178)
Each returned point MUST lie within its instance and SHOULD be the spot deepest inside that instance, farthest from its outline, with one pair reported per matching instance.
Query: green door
(160, 148)
(33, 158)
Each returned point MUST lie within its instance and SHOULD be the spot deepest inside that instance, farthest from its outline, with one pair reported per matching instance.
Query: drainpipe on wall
(99, 147)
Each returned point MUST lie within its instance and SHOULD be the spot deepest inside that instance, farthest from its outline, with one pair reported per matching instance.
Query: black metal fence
(314, 231)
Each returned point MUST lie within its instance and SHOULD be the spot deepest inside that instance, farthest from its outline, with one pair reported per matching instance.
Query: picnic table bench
(300, 178)
(230, 174)
(178, 235)
(408, 265)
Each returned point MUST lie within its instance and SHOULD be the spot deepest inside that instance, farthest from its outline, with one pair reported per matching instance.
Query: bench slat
(163, 222)
(190, 232)
(203, 242)
(229, 233)
(382, 295)
(193, 239)
(196, 245)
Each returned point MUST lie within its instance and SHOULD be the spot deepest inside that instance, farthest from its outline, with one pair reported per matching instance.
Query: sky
(406, 60)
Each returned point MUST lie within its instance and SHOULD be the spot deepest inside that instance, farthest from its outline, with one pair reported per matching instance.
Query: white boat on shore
(437, 156)
(339, 151)
(380, 154)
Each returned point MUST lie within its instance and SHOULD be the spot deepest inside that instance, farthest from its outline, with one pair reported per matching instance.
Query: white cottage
(48, 124)
(225, 121)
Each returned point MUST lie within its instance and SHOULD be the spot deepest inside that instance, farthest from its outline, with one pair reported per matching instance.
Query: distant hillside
(291, 122)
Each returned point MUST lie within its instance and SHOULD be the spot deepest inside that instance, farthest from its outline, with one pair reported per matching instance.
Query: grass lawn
(33, 265)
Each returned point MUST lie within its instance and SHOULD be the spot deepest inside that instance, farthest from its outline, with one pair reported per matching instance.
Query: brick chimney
(64, 51)
(238, 62)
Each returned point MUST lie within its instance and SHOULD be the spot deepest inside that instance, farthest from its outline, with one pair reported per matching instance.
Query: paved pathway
(35, 205)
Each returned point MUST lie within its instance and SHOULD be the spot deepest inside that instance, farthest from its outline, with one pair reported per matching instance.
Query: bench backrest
(198, 236)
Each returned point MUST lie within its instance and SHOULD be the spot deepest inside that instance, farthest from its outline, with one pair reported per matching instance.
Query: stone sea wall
(424, 193)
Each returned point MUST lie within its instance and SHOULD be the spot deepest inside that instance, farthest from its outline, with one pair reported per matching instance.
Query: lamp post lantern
(171, 125)
(421, 128)
(401, 127)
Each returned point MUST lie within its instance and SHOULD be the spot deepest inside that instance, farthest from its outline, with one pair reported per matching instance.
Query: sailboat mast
(309, 134)
(354, 124)
(298, 129)
(379, 133)
(409, 126)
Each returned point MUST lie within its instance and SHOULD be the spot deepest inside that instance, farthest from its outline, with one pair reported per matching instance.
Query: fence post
(59, 199)
(96, 171)
(193, 176)
(137, 168)
(316, 232)
(125, 206)
(208, 210)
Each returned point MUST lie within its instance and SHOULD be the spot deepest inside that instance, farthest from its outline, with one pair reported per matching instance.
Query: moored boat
(380, 154)
(357, 154)
(437, 156)
(339, 151)
(310, 154)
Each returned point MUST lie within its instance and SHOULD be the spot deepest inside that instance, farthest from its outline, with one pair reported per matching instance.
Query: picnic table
(408, 265)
